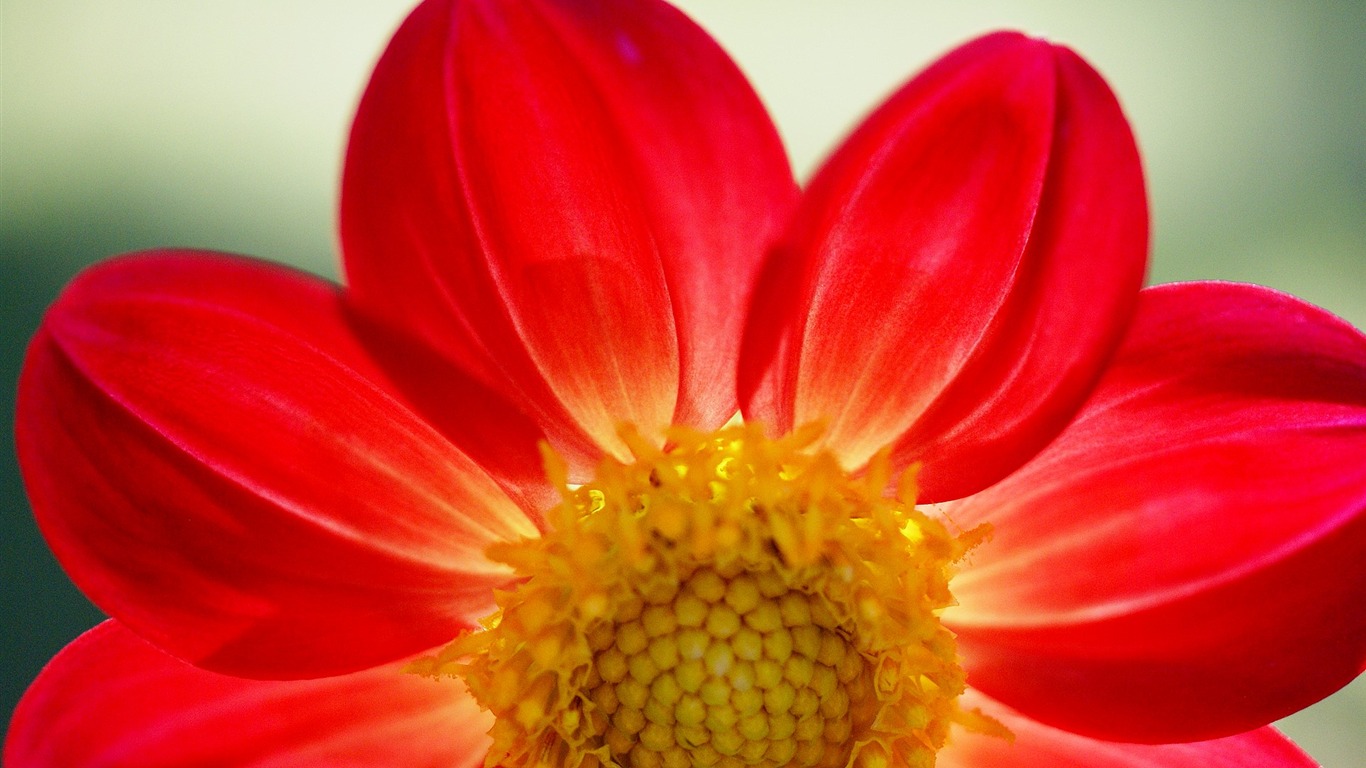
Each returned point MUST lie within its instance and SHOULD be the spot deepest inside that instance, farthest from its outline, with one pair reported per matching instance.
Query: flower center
(743, 667)
(730, 601)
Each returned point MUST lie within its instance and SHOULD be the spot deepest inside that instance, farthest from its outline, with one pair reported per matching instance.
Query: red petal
(1036, 745)
(219, 463)
(111, 699)
(1185, 561)
(571, 198)
(960, 271)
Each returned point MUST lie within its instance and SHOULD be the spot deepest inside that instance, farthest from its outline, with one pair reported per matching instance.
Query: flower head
(990, 502)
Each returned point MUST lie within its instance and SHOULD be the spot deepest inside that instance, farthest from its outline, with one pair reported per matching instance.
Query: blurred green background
(129, 124)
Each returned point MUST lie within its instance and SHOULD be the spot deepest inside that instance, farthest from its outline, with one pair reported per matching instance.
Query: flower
(298, 501)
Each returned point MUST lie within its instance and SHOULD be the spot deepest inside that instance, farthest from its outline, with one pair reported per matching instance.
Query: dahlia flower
(618, 449)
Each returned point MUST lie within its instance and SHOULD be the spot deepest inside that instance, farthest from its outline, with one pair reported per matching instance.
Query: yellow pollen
(730, 601)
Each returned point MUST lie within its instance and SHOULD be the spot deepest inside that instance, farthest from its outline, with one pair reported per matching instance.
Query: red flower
(581, 212)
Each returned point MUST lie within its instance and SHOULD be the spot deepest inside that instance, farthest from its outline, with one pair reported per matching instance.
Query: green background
(130, 124)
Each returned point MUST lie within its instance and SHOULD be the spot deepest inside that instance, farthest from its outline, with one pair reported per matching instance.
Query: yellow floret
(724, 603)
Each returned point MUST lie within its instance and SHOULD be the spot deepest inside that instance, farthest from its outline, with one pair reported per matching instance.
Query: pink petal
(571, 198)
(110, 699)
(1185, 561)
(1037, 745)
(959, 271)
(218, 462)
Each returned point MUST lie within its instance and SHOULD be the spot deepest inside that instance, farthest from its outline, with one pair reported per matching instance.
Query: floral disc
(730, 601)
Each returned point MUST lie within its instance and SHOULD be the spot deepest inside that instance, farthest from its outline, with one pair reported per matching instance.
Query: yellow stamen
(731, 601)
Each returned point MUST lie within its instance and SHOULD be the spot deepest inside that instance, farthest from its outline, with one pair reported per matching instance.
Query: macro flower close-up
(616, 447)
